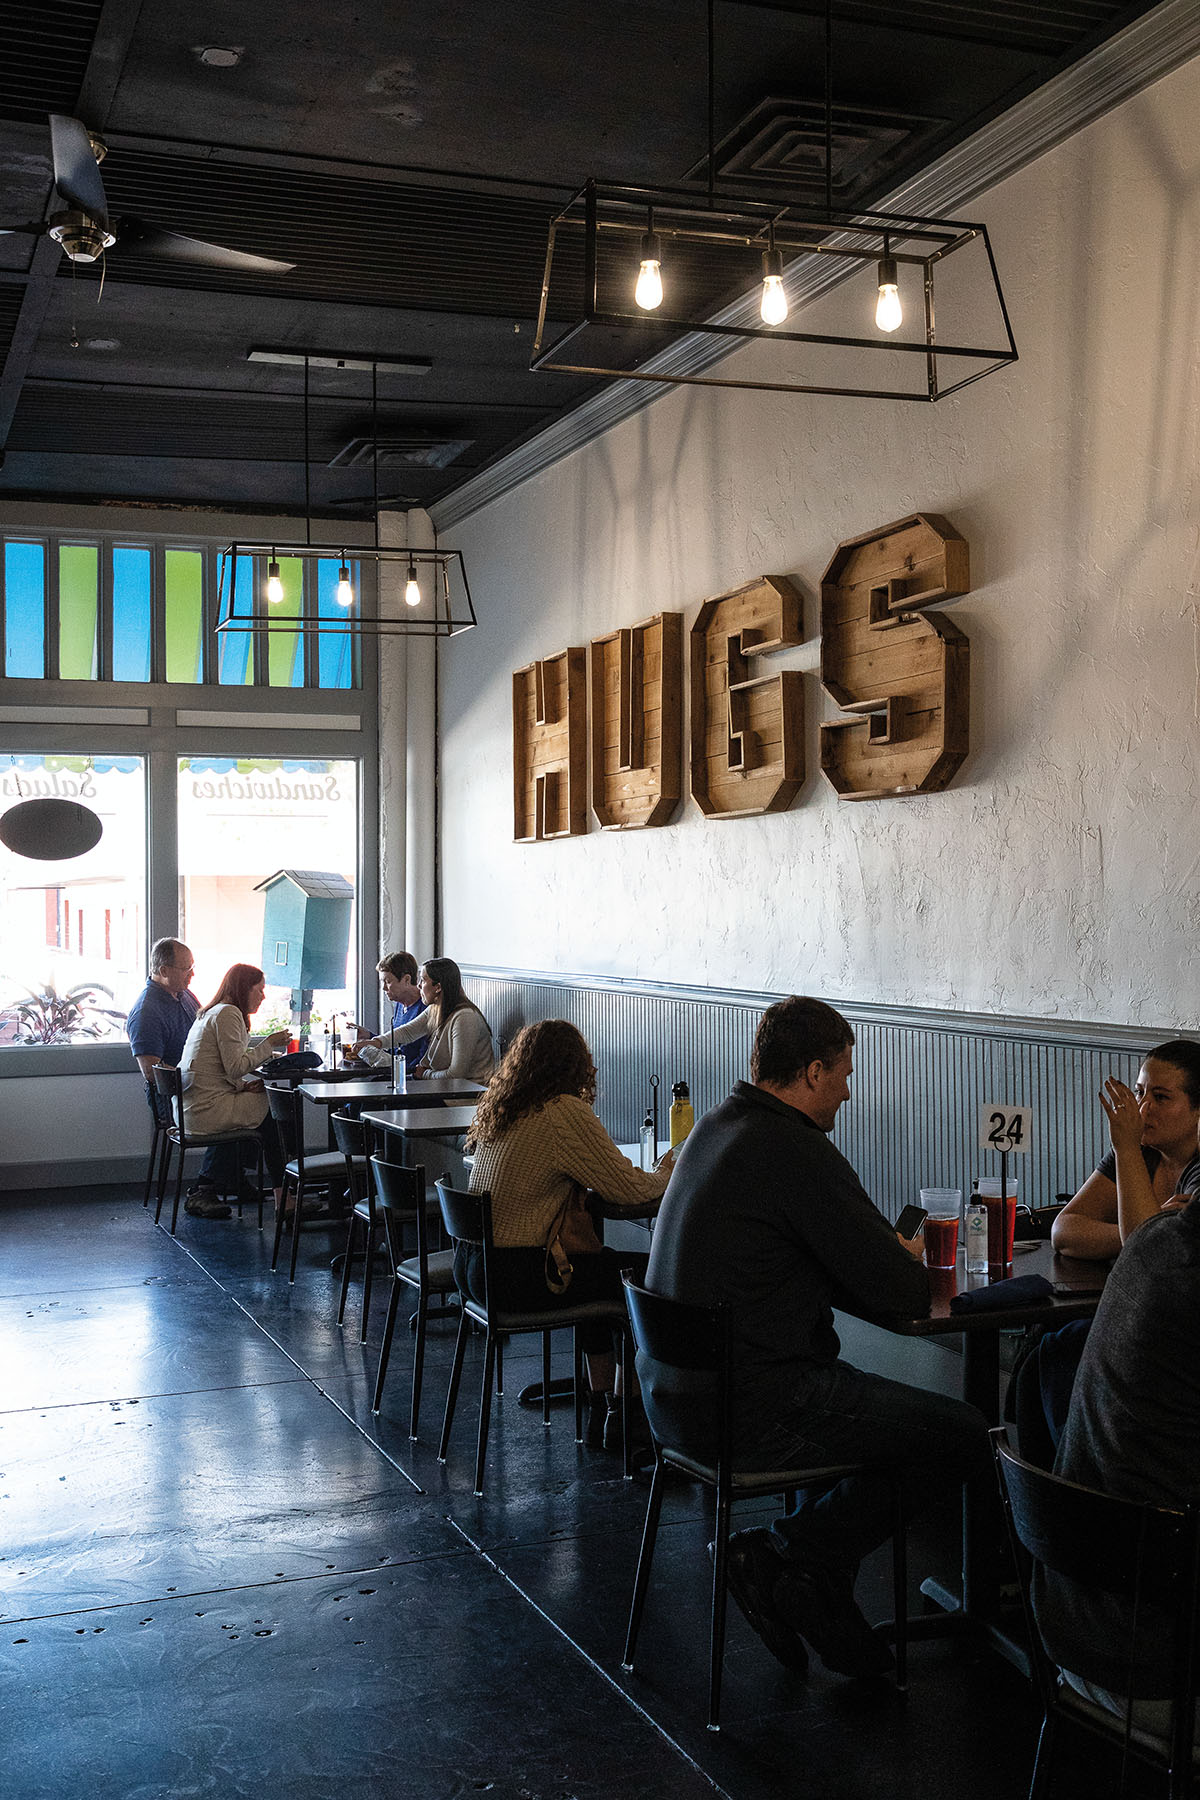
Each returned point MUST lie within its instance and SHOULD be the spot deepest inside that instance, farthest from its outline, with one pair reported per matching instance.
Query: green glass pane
(78, 578)
(185, 614)
(285, 653)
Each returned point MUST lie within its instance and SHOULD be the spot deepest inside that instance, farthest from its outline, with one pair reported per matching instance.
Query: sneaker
(824, 1611)
(206, 1203)
(753, 1568)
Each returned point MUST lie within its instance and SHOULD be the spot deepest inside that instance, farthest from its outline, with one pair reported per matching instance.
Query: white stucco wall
(1057, 875)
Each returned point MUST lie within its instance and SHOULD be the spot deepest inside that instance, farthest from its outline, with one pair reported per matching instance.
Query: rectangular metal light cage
(711, 264)
(379, 608)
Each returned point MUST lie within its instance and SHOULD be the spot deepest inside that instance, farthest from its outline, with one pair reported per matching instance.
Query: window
(243, 822)
(66, 976)
(108, 610)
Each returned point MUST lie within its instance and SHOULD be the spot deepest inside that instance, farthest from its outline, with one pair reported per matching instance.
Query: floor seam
(596, 1667)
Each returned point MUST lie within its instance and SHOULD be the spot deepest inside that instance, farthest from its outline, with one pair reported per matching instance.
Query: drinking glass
(1001, 1221)
(941, 1227)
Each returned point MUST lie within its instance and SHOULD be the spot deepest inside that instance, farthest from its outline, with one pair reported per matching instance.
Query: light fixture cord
(712, 101)
(307, 494)
(828, 106)
(375, 447)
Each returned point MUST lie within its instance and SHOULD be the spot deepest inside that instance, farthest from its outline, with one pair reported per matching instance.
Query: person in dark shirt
(398, 978)
(764, 1215)
(1133, 1430)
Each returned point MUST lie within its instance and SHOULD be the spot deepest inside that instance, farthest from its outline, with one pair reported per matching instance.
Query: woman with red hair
(217, 1058)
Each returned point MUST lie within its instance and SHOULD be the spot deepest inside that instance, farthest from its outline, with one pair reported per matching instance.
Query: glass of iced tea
(941, 1227)
(1001, 1221)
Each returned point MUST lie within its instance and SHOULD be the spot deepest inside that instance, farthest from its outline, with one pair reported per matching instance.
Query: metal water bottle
(682, 1116)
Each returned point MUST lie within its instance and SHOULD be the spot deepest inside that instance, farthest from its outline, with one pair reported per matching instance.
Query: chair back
(285, 1104)
(168, 1084)
(350, 1136)
(467, 1217)
(1145, 1557)
(674, 1335)
(400, 1197)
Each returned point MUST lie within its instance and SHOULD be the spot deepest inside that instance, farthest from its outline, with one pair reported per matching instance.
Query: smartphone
(1076, 1290)
(910, 1221)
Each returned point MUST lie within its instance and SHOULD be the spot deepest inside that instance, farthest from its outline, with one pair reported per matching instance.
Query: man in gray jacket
(764, 1215)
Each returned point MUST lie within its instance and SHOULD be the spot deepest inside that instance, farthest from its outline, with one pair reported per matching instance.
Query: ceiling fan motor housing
(84, 240)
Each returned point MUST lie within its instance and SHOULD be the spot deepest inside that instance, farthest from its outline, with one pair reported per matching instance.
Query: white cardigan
(218, 1055)
(463, 1045)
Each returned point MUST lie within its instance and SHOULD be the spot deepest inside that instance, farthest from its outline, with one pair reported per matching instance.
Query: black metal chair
(1147, 1558)
(402, 1204)
(168, 1084)
(468, 1220)
(325, 1170)
(159, 1143)
(350, 1136)
(698, 1339)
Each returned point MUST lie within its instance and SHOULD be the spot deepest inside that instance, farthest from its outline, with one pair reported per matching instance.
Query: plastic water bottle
(975, 1232)
(649, 1143)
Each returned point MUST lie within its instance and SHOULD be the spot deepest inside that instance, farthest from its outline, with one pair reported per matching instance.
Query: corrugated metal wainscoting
(921, 1078)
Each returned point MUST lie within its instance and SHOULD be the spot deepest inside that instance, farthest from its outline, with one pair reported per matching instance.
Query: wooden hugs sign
(899, 670)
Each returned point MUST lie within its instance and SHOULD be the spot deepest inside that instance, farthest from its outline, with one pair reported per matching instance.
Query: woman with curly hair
(218, 1056)
(538, 1144)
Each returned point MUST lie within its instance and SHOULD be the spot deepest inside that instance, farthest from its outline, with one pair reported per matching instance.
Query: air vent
(781, 144)
(405, 452)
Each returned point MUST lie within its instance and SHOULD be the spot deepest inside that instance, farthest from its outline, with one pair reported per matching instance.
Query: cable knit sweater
(531, 1170)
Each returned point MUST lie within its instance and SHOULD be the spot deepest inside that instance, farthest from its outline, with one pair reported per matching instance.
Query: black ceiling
(408, 160)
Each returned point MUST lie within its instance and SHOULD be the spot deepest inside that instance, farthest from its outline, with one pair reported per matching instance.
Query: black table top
(446, 1121)
(434, 1090)
(1040, 1259)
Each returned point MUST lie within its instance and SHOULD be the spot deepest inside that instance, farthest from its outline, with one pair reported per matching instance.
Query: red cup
(293, 1046)
(941, 1242)
(1000, 1248)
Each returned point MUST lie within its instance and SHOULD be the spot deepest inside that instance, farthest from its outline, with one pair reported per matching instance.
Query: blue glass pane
(335, 648)
(235, 662)
(24, 610)
(131, 614)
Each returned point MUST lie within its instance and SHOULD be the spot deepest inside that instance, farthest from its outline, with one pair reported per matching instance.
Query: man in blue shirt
(398, 975)
(158, 1024)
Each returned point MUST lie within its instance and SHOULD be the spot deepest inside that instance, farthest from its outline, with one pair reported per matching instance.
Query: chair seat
(211, 1137)
(325, 1166)
(603, 1311)
(441, 1271)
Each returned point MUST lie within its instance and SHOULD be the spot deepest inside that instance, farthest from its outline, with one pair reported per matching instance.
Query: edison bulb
(889, 313)
(274, 584)
(345, 592)
(774, 307)
(412, 593)
(649, 290)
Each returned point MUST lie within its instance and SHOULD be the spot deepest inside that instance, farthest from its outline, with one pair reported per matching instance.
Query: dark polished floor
(220, 1575)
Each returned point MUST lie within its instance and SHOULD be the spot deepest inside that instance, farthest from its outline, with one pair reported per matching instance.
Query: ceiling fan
(85, 231)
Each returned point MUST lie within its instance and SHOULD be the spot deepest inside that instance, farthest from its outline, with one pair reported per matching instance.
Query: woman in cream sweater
(460, 1042)
(217, 1058)
(538, 1144)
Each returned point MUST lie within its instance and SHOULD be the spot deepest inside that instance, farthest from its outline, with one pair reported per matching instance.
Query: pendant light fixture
(437, 598)
(635, 311)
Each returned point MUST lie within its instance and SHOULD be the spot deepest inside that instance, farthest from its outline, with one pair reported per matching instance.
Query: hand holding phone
(911, 1221)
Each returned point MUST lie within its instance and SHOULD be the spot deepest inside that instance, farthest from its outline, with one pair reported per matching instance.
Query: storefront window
(268, 850)
(72, 933)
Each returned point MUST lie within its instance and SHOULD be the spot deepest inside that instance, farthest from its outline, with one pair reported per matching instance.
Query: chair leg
(717, 1648)
(262, 1177)
(577, 1360)
(347, 1256)
(368, 1270)
(500, 1366)
(460, 1346)
(280, 1216)
(178, 1192)
(485, 1409)
(418, 1362)
(386, 1348)
(164, 1169)
(296, 1232)
(900, 1584)
(152, 1165)
(546, 1379)
(641, 1580)
(1043, 1762)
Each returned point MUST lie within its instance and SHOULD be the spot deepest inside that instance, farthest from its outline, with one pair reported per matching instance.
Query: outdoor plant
(50, 1017)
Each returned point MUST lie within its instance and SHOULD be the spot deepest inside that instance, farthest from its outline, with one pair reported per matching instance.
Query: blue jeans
(843, 1415)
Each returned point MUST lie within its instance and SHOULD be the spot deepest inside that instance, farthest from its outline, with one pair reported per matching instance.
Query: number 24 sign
(1006, 1128)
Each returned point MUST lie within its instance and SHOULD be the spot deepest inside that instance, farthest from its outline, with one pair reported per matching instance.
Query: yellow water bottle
(682, 1116)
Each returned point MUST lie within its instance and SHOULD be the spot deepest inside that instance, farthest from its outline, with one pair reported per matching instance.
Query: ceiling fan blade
(151, 240)
(76, 171)
(34, 230)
